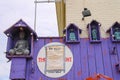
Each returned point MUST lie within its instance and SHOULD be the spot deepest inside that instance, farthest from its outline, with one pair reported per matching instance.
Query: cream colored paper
(55, 57)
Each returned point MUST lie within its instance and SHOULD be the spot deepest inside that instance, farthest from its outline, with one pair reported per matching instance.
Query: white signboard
(55, 55)
(55, 60)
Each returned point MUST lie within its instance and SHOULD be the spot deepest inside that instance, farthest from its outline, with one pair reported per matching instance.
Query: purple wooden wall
(89, 59)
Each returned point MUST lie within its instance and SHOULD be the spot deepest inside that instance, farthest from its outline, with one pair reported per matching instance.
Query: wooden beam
(48, 1)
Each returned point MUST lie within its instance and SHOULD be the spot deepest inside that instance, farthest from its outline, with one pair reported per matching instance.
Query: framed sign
(55, 54)
(54, 60)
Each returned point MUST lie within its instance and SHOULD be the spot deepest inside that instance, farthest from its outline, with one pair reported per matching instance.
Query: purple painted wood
(18, 68)
(118, 49)
(15, 27)
(28, 69)
(84, 59)
(106, 58)
(99, 58)
(37, 74)
(9, 43)
(118, 52)
(114, 60)
(77, 62)
(91, 59)
(70, 75)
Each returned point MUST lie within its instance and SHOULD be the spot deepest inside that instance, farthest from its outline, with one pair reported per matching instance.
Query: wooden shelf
(18, 56)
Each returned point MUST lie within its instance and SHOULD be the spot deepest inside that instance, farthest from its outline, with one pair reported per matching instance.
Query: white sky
(12, 11)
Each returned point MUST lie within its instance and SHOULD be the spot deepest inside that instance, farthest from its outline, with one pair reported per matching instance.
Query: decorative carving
(21, 46)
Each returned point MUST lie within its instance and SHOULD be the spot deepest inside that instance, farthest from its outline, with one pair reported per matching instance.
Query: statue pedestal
(18, 68)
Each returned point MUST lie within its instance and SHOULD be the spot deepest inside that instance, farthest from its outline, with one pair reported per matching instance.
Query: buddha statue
(94, 34)
(72, 36)
(21, 46)
(117, 34)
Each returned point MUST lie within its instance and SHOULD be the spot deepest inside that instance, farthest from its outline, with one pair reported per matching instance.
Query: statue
(72, 36)
(94, 33)
(21, 46)
(117, 34)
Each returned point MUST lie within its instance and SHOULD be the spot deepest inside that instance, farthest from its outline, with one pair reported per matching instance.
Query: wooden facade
(88, 59)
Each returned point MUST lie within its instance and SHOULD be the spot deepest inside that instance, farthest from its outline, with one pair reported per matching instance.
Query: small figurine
(72, 36)
(94, 33)
(21, 46)
(117, 34)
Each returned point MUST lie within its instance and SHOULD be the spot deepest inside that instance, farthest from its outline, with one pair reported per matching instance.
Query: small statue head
(71, 30)
(93, 27)
(117, 29)
(22, 35)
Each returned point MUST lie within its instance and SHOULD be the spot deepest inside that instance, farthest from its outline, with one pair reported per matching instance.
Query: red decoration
(98, 77)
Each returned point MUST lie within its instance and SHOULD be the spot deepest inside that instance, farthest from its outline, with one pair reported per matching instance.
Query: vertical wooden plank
(9, 44)
(106, 58)
(28, 69)
(77, 62)
(114, 60)
(18, 68)
(47, 40)
(74, 59)
(91, 59)
(118, 54)
(99, 58)
(56, 40)
(70, 74)
(118, 51)
(84, 59)
(37, 74)
(32, 44)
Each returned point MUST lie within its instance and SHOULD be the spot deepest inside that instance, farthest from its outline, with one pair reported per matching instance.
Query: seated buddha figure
(72, 36)
(94, 34)
(21, 47)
